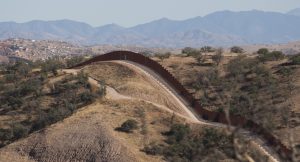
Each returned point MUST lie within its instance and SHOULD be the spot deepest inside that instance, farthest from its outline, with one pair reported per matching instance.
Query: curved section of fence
(238, 121)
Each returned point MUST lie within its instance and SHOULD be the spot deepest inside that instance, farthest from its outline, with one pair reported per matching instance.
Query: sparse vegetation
(295, 60)
(263, 51)
(23, 93)
(237, 49)
(163, 56)
(265, 56)
(217, 58)
(207, 49)
(192, 52)
(128, 126)
(183, 144)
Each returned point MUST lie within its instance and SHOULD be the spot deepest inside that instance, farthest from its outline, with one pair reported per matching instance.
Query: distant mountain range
(223, 28)
(295, 12)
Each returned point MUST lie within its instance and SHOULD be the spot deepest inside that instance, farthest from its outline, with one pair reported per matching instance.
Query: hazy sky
(129, 12)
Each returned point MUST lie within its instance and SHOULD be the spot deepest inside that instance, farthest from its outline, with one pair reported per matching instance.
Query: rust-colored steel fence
(219, 117)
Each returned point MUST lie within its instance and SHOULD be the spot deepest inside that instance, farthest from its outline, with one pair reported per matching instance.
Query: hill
(223, 28)
(106, 111)
(295, 12)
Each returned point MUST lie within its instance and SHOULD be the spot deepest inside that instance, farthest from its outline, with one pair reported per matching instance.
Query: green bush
(163, 56)
(177, 132)
(19, 130)
(295, 60)
(6, 134)
(193, 145)
(187, 50)
(153, 149)
(192, 52)
(11, 78)
(87, 97)
(207, 49)
(271, 56)
(236, 49)
(29, 86)
(128, 126)
(52, 65)
(263, 51)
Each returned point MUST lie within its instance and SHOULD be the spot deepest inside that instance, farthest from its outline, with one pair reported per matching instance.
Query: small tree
(207, 49)
(191, 52)
(236, 49)
(187, 50)
(200, 59)
(263, 51)
(271, 56)
(217, 58)
(128, 126)
(163, 56)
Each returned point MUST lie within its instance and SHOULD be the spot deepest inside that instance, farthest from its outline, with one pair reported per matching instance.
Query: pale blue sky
(129, 12)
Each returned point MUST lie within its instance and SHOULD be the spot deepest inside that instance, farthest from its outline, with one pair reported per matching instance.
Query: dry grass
(90, 133)
(131, 83)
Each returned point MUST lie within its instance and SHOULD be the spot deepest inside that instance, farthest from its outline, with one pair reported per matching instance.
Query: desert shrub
(163, 56)
(238, 67)
(19, 130)
(29, 86)
(240, 104)
(209, 77)
(236, 49)
(192, 52)
(200, 59)
(217, 58)
(263, 51)
(19, 68)
(271, 56)
(40, 122)
(153, 149)
(57, 113)
(187, 50)
(285, 71)
(207, 49)
(6, 134)
(87, 97)
(2, 85)
(128, 126)
(74, 60)
(193, 146)
(52, 65)
(14, 102)
(295, 60)
(11, 78)
(82, 79)
(177, 132)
